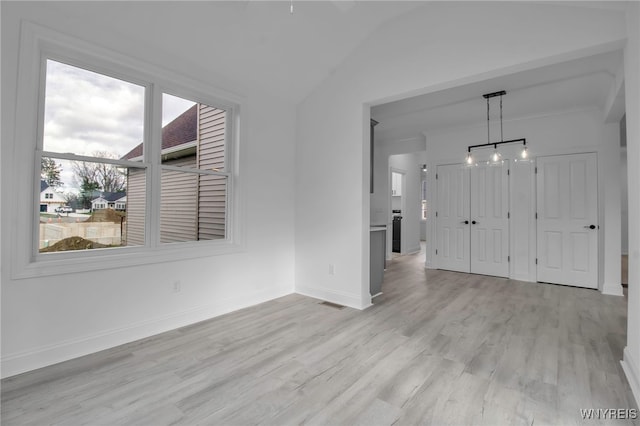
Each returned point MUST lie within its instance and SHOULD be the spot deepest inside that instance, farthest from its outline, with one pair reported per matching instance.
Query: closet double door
(472, 218)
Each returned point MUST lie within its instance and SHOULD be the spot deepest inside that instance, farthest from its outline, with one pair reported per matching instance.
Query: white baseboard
(413, 250)
(631, 370)
(43, 356)
(339, 297)
(612, 289)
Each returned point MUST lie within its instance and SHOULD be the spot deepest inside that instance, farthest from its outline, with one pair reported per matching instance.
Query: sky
(86, 113)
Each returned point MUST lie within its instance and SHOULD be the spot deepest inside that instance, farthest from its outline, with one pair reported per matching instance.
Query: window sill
(102, 259)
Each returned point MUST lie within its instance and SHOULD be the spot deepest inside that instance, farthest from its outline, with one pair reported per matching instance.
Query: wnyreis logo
(609, 413)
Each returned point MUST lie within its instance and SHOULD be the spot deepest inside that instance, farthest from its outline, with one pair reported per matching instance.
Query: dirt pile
(72, 243)
(106, 215)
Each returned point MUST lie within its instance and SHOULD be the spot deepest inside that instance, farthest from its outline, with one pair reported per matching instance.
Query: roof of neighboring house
(111, 196)
(181, 130)
(43, 185)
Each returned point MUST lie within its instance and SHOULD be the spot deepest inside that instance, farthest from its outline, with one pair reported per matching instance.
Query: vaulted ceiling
(260, 44)
(256, 43)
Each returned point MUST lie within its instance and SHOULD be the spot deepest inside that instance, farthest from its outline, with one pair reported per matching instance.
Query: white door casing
(489, 219)
(567, 220)
(452, 233)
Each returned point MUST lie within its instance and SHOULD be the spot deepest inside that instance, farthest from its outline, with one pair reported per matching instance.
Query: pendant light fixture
(496, 157)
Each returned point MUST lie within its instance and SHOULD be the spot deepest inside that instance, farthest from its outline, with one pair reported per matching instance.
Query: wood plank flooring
(437, 348)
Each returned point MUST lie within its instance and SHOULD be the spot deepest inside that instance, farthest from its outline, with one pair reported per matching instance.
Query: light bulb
(469, 158)
(496, 156)
(524, 153)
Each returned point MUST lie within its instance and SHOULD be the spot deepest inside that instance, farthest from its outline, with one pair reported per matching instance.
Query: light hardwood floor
(437, 348)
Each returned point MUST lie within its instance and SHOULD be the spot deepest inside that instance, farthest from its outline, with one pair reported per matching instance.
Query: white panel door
(489, 219)
(567, 204)
(452, 233)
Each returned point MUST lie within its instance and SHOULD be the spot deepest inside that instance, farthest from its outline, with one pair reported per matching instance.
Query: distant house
(49, 198)
(193, 206)
(110, 200)
(121, 203)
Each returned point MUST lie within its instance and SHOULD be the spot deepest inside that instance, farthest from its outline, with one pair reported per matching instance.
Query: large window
(99, 153)
(118, 162)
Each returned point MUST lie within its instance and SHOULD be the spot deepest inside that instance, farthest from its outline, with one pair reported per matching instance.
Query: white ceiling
(256, 43)
(574, 84)
(261, 45)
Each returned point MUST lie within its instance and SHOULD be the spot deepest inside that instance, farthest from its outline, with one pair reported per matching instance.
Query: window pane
(193, 207)
(193, 134)
(86, 205)
(90, 114)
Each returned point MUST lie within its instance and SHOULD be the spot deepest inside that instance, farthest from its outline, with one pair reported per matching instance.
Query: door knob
(466, 222)
(473, 222)
(590, 226)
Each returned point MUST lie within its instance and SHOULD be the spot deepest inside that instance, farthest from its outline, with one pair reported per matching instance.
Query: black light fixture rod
(501, 137)
(488, 123)
(494, 94)
(495, 144)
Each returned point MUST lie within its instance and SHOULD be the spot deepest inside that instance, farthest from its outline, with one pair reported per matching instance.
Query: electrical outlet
(332, 269)
(176, 286)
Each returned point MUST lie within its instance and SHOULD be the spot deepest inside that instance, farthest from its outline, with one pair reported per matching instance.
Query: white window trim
(38, 43)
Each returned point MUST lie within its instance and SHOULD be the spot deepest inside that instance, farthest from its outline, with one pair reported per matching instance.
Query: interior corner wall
(631, 362)
(611, 210)
(406, 56)
(59, 317)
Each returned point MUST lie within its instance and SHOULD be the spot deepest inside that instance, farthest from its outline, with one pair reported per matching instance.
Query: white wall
(631, 363)
(553, 134)
(441, 45)
(46, 320)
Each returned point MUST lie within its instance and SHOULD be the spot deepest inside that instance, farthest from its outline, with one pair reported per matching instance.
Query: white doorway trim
(568, 220)
(403, 208)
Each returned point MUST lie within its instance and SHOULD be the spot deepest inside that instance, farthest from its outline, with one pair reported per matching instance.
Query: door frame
(505, 168)
(437, 257)
(438, 208)
(403, 207)
(598, 219)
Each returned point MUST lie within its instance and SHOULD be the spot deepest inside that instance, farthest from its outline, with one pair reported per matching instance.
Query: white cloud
(87, 112)
(173, 106)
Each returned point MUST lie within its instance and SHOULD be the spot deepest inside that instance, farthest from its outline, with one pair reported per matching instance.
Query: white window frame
(39, 44)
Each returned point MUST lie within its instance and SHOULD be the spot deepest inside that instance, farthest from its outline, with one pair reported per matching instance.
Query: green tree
(88, 190)
(50, 172)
